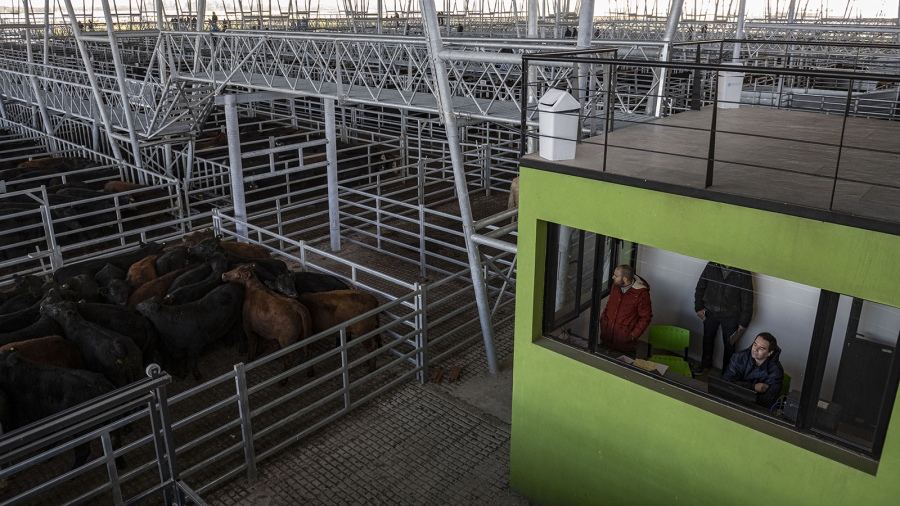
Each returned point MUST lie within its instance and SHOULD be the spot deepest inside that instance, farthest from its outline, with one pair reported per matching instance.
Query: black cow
(190, 293)
(313, 282)
(113, 287)
(195, 275)
(91, 267)
(35, 391)
(44, 326)
(18, 303)
(125, 321)
(173, 260)
(185, 329)
(110, 353)
(85, 286)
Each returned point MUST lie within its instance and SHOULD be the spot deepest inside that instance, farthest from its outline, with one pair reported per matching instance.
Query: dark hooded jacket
(726, 292)
(743, 371)
(626, 316)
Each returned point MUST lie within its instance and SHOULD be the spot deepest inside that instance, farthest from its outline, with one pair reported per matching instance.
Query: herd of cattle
(98, 323)
(81, 196)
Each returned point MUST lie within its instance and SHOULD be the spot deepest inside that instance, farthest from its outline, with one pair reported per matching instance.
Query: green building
(822, 247)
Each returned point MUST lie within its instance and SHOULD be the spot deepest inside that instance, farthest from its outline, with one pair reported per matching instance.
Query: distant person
(460, 28)
(568, 32)
(758, 368)
(575, 32)
(214, 19)
(723, 298)
(628, 311)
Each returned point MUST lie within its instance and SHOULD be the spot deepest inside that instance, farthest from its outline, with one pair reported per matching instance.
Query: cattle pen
(222, 428)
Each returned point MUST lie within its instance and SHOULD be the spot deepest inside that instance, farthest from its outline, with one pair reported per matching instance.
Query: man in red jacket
(628, 311)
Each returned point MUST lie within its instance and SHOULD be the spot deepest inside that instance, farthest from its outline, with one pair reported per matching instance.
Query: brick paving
(414, 445)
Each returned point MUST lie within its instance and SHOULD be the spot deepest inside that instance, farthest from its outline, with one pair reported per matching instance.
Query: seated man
(758, 368)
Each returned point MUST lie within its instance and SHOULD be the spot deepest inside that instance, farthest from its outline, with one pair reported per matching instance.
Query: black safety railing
(852, 89)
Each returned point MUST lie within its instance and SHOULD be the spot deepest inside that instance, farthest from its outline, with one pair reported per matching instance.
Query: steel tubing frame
(448, 115)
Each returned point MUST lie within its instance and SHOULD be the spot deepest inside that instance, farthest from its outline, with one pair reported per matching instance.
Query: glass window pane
(855, 382)
(567, 269)
(627, 251)
(587, 268)
(607, 273)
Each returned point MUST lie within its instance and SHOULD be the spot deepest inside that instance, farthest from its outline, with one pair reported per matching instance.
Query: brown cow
(142, 271)
(241, 249)
(334, 308)
(50, 350)
(158, 199)
(195, 238)
(269, 315)
(62, 163)
(215, 140)
(154, 288)
(245, 250)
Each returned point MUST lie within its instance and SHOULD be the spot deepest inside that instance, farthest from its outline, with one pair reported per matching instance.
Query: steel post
(99, 99)
(240, 379)
(334, 217)
(448, 115)
(739, 30)
(236, 167)
(123, 87)
(668, 37)
(36, 88)
(345, 367)
(421, 307)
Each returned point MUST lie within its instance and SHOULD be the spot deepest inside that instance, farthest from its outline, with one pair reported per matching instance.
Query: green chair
(676, 364)
(786, 384)
(665, 337)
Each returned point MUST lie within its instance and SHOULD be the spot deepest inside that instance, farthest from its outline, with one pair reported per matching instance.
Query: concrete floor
(433, 444)
(775, 155)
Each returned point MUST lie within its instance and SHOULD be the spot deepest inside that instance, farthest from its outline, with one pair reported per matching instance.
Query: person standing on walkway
(723, 298)
(628, 311)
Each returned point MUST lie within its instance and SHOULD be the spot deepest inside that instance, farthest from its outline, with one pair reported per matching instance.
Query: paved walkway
(414, 445)
(433, 444)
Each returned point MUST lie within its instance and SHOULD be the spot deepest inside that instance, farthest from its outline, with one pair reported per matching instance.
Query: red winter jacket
(626, 316)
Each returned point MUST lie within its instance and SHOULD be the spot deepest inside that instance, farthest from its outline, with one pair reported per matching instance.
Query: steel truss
(149, 93)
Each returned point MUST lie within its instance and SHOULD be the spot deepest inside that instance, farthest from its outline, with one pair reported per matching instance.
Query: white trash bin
(558, 125)
(730, 86)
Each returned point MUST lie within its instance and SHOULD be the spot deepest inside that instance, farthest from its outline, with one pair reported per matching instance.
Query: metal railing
(32, 457)
(628, 91)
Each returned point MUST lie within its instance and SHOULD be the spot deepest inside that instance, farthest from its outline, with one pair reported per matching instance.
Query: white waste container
(730, 86)
(558, 125)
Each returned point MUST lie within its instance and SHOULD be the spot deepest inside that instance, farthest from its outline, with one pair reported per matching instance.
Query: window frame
(820, 341)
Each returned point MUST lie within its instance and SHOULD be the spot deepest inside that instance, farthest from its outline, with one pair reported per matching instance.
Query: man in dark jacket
(628, 311)
(758, 368)
(723, 298)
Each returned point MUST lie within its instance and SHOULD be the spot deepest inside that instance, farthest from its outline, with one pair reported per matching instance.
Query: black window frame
(820, 342)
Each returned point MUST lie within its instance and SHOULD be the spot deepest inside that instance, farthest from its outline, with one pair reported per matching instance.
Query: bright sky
(755, 8)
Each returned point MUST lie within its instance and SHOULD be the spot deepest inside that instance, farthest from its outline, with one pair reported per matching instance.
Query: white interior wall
(784, 308)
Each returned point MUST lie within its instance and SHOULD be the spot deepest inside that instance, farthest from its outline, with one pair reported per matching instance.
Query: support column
(792, 12)
(668, 37)
(532, 26)
(36, 88)
(739, 31)
(123, 88)
(99, 99)
(433, 37)
(235, 164)
(334, 217)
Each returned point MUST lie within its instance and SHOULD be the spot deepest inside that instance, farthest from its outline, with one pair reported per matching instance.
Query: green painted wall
(583, 436)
